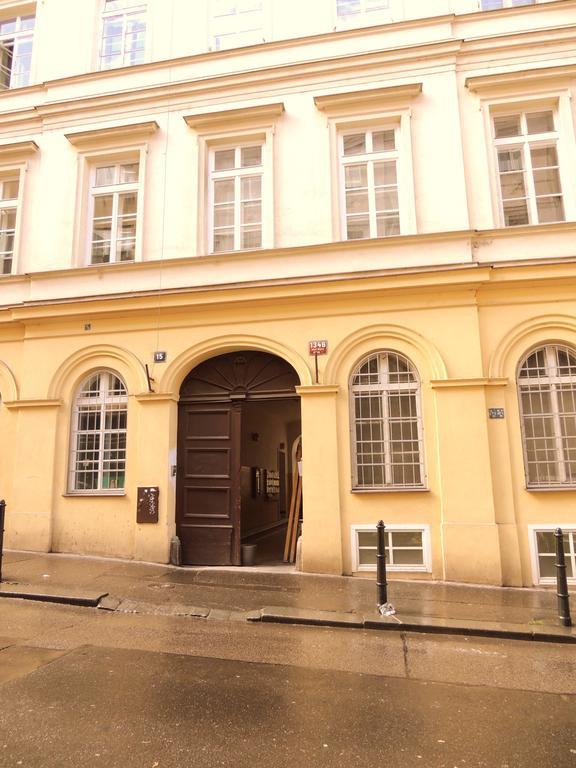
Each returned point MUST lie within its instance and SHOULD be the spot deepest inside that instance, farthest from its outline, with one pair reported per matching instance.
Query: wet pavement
(282, 595)
(112, 707)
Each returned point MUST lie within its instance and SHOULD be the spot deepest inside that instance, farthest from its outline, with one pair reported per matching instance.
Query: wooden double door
(208, 497)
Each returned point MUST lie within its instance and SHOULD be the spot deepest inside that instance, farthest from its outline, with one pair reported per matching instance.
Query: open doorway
(239, 416)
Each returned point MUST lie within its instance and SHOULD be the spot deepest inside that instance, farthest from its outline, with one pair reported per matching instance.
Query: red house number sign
(318, 347)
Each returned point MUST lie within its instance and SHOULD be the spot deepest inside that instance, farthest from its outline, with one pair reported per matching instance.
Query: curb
(89, 599)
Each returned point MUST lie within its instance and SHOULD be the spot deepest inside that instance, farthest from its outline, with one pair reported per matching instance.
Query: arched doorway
(237, 419)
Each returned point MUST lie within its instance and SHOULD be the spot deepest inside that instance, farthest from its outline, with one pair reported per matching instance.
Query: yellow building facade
(194, 193)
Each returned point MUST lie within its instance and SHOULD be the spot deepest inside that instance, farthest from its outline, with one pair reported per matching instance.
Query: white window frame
(553, 383)
(524, 143)
(128, 10)
(10, 43)
(88, 161)
(506, 4)
(6, 175)
(369, 158)
(115, 190)
(536, 528)
(100, 404)
(383, 12)
(235, 38)
(425, 567)
(400, 121)
(380, 389)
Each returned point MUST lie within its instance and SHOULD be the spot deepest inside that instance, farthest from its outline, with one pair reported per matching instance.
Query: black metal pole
(561, 582)
(381, 584)
(2, 513)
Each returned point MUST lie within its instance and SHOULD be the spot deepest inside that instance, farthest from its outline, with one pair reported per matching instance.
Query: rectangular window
(528, 167)
(114, 210)
(407, 548)
(355, 13)
(9, 188)
(235, 23)
(123, 33)
(543, 545)
(492, 5)
(16, 37)
(236, 182)
(369, 180)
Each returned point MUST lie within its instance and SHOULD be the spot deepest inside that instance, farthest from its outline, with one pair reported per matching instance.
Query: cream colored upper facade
(459, 284)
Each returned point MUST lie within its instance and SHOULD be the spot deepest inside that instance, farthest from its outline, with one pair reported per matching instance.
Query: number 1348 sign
(318, 347)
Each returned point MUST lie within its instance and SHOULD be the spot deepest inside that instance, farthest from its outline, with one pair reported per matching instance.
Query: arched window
(387, 423)
(98, 444)
(547, 395)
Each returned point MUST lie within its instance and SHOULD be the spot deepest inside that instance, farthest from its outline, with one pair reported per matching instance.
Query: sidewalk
(282, 595)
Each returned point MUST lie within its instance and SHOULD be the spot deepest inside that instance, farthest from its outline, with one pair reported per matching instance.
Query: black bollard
(561, 582)
(381, 584)
(2, 513)
(384, 607)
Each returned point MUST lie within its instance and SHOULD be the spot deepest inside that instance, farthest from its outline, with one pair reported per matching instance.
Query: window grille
(98, 457)
(407, 547)
(387, 423)
(547, 397)
(544, 547)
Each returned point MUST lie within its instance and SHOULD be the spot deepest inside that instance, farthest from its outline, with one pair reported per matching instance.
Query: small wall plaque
(147, 505)
(496, 413)
(159, 357)
(318, 347)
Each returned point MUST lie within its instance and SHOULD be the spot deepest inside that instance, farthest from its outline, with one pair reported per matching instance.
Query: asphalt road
(85, 687)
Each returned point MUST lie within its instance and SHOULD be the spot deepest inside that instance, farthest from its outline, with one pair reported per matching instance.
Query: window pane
(355, 144)
(251, 213)
(356, 176)
(544, 157)
(510, 160)
(367, 557)
(223, 241)
(540, 122)
(357, 202)
(383, 141)
(358, 228)
(550, 209)
(507, 125)
(387, 226)
(512, 185)
(10, 189)
(224, 159)
(251, 187)
(105, 176)
(224, 191)
(103, 206)
(385, 174)
(250, 156)
(127, 204)
(547, 182)
(408, 557)
(224, 216)
(386, 200)
(367, 538)
(129, 173)
(251, 238)
(515, 214)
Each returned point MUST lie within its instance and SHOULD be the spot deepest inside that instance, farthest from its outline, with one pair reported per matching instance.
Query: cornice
(468, 383)
(250, 83)
(132, 132)
(363, 99)
(18, 149)
(315, 390)
(211, 121)
(526, 79)
(17, 405)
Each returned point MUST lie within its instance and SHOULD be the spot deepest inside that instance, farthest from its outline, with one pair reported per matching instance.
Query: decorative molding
(368, 99)
(132, 132)
(232, 118)
(317, 389)
(156, 397)
(16, 405)
(468, 383)
(520, 81)
(18, 150)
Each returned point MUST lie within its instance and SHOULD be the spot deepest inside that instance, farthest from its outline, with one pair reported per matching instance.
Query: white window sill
(92, 494)
(549, 488)
(392, 489)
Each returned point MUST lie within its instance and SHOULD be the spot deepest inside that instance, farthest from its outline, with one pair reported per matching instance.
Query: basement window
(407, 548)
(543, 548)
(16, 51)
